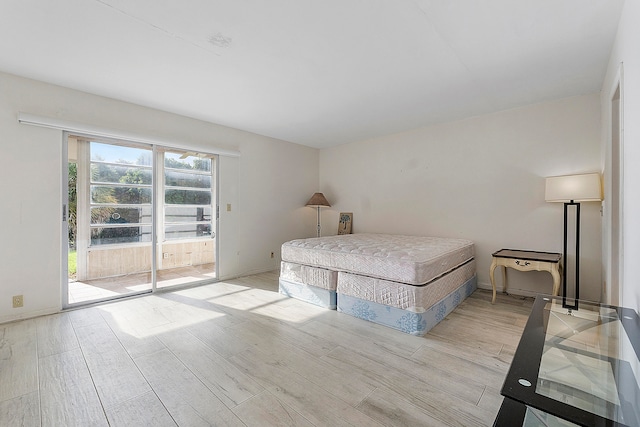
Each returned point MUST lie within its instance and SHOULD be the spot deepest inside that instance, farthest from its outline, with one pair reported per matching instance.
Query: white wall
(481, 179)
(276, 180)
(266, 187)
(626, 49)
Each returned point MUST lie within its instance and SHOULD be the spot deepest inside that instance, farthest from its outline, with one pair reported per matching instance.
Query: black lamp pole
(574, 306)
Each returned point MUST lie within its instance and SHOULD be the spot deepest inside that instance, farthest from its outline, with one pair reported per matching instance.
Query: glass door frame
(156, 150)
(161, 223)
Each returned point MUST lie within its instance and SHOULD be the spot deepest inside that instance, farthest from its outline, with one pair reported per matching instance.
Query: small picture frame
(344, 223)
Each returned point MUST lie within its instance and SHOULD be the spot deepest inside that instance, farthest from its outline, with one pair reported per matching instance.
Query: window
(121, 181)
(187, 196)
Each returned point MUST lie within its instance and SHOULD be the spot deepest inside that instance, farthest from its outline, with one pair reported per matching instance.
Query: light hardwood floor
(239, 353)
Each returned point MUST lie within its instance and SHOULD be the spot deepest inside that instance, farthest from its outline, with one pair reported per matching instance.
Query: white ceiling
(318, 73)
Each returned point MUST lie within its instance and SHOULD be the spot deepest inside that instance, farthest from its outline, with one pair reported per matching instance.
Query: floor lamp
(571, 190)
(318, 200)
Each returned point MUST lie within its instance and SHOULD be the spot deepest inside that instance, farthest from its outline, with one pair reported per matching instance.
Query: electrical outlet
(272, 254)
(18, 301)
(165, 255)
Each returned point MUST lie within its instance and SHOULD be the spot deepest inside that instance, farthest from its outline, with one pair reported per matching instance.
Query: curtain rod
(64, 125)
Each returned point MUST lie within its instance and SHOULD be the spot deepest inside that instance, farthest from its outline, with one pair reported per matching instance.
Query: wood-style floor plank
(347, 385)
(86, 316)
(226, 381)
(487, 356)
(67, 393)
(391, 409)
(358, 354)
(491, 400)
(143, 411)
(239, 353)
(115, 375)
(421, 384)
(18, 359)
(371, 342)
(370, 333)
(137, 344)
(311, 401)
(55, 334)
(265, 410)
(264, 331)
(186, 398)
(221, 340)
(461, 367)
(22, 411)
(290, 333)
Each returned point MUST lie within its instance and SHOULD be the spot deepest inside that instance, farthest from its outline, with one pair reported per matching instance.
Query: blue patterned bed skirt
(311, 294)
(406, 321)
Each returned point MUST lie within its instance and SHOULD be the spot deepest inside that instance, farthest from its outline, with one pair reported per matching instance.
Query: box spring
(410, 309)
(310, 284)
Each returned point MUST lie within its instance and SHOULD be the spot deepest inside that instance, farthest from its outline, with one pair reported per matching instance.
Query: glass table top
(580, 365)
(537, 418)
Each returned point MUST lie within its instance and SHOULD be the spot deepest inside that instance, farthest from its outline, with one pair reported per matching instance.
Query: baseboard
(29, 315)
(488, 287)
(512, 291)
(247, 273)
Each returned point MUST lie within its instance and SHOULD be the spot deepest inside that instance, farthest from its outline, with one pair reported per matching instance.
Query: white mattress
(406, 297)
(313, 276)
(409, 259)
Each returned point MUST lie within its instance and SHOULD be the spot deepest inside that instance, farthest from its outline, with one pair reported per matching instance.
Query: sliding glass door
(124, 200)
(186, 226)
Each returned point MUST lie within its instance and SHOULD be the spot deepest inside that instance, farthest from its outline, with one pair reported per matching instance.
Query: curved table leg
(555, 273)
(504, 279)
(494, 264)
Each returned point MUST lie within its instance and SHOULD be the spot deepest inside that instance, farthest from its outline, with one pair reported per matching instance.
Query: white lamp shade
(577, 188)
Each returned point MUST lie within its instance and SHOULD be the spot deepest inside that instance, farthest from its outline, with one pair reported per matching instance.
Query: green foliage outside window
(104, 190)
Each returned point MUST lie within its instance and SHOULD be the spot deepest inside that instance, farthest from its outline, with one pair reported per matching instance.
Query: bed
(409, 283)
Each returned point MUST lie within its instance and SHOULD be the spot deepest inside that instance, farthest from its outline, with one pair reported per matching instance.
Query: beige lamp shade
(577, 188)
(318, 199)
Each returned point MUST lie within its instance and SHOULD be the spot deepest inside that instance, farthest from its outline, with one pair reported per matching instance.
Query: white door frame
(613, 233)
